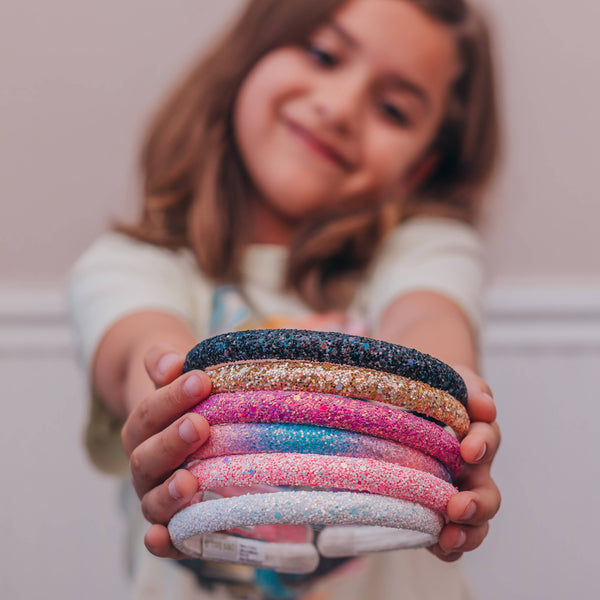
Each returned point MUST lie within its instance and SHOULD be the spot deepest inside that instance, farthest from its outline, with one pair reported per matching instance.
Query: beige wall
(546, 212)
(78, 79)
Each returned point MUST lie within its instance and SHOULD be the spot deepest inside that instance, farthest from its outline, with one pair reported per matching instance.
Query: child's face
(345, 118)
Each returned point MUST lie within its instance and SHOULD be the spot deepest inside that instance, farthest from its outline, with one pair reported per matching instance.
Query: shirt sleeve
(118, 276)
(429, 254)
(115, 277)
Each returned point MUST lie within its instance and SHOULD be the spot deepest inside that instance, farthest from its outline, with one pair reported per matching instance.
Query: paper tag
(252, 552)
(219, 547)
(232, 549)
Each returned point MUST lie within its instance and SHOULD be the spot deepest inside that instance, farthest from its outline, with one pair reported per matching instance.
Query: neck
(267, 227)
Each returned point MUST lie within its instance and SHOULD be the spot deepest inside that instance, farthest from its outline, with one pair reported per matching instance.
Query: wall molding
(33, 321)
(519, 317)
(542, 318)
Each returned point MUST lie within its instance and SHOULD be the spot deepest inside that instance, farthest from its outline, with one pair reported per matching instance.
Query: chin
(297, 207)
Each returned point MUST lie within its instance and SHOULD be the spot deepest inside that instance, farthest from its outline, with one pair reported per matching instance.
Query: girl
(319, 169)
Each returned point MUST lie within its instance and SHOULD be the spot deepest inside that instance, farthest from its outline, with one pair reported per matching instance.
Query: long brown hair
(195, 183)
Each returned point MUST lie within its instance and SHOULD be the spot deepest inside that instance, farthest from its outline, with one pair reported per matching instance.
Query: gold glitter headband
(341, 380)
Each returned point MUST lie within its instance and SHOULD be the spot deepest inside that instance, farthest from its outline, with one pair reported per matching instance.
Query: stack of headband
(351, 438)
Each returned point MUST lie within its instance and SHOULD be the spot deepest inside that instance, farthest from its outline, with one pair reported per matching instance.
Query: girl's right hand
(158, 435)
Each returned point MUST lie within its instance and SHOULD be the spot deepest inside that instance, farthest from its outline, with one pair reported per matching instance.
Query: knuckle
(174, 393)
(166, 445)
(147, 510)
(489, 504)
(125, 438)
(135, 486)
(146, 416)
(497, 500)
(477, 535)
(452, 557)
(485, 388)
(498, 433)
(485, 531)
(136, 464)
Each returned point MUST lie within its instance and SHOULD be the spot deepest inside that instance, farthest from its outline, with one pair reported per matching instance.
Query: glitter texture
(330, 347)
(314, 508)
(343, 380)
(327, 410)
(248, 438)
(314, 470)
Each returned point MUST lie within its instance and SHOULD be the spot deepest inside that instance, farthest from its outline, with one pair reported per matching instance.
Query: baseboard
(519, 317)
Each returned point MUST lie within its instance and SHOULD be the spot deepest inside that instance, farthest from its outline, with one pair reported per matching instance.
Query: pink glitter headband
(419, 526)
(338, 472)
(343, 380)
(248, 438)
(337, 412)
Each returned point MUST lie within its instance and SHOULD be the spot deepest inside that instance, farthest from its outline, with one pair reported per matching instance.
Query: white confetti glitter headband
(189, 527)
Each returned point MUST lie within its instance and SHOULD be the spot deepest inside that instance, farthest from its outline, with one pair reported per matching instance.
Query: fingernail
(167, 362)
(460, 540)
(173, 491)
(481, 453)
(193, 386)
(469, 512)
(188, 432)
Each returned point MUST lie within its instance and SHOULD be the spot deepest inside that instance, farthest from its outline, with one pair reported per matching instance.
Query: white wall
(78, 80)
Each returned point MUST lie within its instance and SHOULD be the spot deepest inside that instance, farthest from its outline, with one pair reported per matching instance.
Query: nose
(339, 101)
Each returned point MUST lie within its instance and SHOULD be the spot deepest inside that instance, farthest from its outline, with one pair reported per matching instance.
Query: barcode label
(231, 549)
(252, 552)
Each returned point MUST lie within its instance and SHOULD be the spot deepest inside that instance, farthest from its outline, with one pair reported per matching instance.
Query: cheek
(393, 154)
(250, 110)
(265, 89)
(387, 164)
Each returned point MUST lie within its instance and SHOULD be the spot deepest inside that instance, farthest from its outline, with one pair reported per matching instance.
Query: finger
(161, 407)
(154, 459)
(163, 363)
(454, 556)
(481, 443)
(162, 502)
(158, 542)
(454, 540)
(480, 404)
(479, 499)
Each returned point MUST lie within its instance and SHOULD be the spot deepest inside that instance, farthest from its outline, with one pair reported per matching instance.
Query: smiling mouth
(319, 147)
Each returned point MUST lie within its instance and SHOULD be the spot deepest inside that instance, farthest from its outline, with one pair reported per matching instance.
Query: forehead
(398, 38)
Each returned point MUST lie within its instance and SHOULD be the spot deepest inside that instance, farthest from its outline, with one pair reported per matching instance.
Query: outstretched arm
(137, 372)
(433, 324)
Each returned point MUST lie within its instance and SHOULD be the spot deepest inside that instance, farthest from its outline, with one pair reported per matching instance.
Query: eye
(395, 114)
(321, 56)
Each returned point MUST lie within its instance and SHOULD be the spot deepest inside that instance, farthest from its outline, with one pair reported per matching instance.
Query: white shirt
(118, 276)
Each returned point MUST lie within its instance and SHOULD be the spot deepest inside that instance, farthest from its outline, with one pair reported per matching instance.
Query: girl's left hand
(478, 500)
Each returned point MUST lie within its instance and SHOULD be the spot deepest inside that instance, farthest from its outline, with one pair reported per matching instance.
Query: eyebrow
(398, 81)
